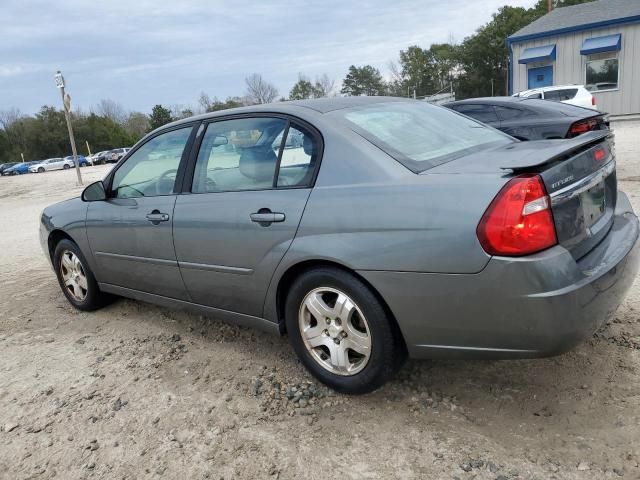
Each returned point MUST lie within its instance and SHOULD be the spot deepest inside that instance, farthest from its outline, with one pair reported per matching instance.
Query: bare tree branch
(112, 110)
(259, 90)
(9, 117)
(325, 86)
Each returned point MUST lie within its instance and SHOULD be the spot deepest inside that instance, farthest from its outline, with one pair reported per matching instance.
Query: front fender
(66, 219)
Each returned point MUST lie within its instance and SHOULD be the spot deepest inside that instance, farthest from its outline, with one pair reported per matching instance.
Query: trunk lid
(580, 178)
(581, 183)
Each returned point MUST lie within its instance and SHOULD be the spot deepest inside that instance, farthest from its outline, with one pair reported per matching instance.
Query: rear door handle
(266, 217)
(156, 217)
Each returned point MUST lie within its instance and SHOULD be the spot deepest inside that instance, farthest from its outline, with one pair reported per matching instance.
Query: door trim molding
(133, 258)
(215, 268)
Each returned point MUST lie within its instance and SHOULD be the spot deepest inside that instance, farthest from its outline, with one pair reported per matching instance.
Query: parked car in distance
(92, 159)
(19, 168)
(6, 166)
(51, 164)
(117, 153)
(572, 94)
(397, 228)
(531, 119)
(100, 157)
(82, 160)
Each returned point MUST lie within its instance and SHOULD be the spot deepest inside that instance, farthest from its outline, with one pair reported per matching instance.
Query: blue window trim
(578, 28)
(551, 56)
(614, 44)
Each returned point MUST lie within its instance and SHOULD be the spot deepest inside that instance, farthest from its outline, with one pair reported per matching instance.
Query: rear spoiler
(549, 151)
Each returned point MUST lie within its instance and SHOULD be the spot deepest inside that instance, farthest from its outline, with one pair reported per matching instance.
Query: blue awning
(610, 43)
(538, 54)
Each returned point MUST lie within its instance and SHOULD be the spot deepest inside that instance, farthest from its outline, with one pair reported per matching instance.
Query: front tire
(65, 166)
(76, 278)
(41, 170)
(341, 332)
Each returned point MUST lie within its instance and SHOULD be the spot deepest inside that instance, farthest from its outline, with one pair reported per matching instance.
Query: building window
(602, 71)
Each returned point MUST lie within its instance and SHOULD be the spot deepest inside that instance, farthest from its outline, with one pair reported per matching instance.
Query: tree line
(475, 67)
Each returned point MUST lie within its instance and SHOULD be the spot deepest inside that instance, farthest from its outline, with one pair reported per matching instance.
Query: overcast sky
(143, 52)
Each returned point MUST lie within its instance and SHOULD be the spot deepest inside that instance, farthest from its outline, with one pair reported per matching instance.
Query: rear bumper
(540, 305)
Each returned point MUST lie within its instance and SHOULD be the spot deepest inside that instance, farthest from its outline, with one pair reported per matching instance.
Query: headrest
(258, 163)
(308, 145)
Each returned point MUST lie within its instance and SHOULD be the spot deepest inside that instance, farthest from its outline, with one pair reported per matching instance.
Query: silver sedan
(51, 164)
(389, 228)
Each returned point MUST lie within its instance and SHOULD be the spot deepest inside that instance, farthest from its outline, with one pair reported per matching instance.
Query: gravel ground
(137, 391)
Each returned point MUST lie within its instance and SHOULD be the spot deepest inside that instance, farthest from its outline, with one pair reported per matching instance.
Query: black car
(5, 166)
(531, 119)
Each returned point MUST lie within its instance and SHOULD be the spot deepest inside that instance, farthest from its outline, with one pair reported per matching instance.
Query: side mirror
(94, 192)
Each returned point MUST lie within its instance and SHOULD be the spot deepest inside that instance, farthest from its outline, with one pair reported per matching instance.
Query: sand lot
(137, 391)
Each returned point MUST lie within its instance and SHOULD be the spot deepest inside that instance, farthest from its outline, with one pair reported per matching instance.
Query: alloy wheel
(73, 275)
(335, 331)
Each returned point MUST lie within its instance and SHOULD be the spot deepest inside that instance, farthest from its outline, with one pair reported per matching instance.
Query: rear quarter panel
(367, 212)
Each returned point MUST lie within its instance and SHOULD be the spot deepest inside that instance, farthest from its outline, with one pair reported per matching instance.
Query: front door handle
(266, 217)
(156, 217)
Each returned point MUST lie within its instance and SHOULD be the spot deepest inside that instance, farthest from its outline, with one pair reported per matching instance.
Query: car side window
(299, 158)
(561, 95)
(151, 170)
(482, 113)
(508, 113)
(239, 154)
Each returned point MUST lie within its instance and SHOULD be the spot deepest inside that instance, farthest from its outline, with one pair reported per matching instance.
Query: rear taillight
(518, 221)
(599, 153)
(583, 126)
(593, 100)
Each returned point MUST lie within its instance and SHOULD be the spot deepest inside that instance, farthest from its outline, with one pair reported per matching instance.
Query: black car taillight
(582, 126)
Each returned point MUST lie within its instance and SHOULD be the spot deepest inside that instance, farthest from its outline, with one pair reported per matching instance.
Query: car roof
(318, 105)
(549, 88)
(536, 104)
(501, 101)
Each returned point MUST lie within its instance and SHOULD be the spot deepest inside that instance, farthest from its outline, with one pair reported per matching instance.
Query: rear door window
(482, 113)
(509, 113)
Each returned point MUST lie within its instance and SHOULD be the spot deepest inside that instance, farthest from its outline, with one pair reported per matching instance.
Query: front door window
(151, 170)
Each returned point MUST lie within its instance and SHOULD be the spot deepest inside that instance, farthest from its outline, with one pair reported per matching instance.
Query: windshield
(420, 135)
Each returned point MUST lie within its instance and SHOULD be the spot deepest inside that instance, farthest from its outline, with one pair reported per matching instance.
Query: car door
(130, 233)
(242, 208)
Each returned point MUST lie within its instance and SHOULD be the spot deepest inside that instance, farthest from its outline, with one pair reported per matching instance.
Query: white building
(594, 44)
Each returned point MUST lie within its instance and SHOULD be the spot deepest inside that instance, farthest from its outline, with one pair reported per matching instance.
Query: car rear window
(560, 95)
(420, 135)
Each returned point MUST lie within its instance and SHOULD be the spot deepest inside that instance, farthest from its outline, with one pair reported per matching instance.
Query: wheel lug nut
(326, 332)
(328, 320)
(336, 341)
(344, 334)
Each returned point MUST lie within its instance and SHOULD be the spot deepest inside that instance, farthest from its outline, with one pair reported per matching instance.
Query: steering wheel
(162, 179)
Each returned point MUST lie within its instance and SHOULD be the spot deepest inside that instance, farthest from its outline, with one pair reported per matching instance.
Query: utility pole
(66, 102)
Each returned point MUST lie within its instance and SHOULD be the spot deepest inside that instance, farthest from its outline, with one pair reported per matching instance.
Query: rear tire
(341, 332)
(76, 278)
